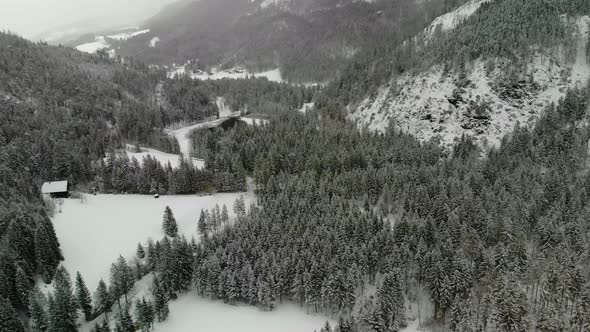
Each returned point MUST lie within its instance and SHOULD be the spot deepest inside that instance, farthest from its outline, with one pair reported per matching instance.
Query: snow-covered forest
(341, 208)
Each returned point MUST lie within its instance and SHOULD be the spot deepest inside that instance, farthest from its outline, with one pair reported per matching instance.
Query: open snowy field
(191, 312)
(165, 158)
(273, 75)
(95, 232)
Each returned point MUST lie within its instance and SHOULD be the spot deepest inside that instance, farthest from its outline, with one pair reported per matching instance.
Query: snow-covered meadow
(273, 75)
(192, 312)
(93, 232)
(163, 157)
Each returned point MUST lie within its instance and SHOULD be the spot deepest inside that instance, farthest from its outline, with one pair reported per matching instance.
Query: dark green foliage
(104, 327)
(102, 299)
(125, 323)
(144, 314)
(83, 297)
(62, 308)
(37, 310)
(161, 309)
(469, 230)
(509, 29)
(140, 251)
(391, 303)
(169, 223)
(122, 279)
(9, 321)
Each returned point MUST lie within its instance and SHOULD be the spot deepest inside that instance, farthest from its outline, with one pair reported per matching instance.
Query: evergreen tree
(169, 223)
(124, 323)
(46, 260)
(102, 299)
(511, 307)
(202, 225)
(83, 297)
(391, 301)
(23, 287)
(37, 311)
(161, 309)
(9, 321)
(140, 251)
(224, 215)
(63, 310)
(144, 314)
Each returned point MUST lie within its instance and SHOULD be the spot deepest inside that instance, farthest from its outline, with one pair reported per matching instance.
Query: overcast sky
(33, 17)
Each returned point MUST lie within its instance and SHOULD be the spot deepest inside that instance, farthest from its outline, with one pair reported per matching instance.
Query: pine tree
(151, 256)
(83, 297)
(160, 301)
(64, 314)
(391, 302)
(169, 223)
(202, 225)
(140, 251)
(46, 260)
(102, 299)
(224, 215)
(104, 327)
(37, 310)
(511, 307)
(23, 287)
(144, 315)
(122, 279)
(217, 217)
(125, 323)
(9, 321)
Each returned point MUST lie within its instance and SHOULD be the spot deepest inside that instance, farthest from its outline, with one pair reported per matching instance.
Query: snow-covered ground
(425, 104)
(452, 19)
(99, 43)
(182, 134)
(251, 120)
(163, 157)
(306, 107)
(128, 35)
(94, 232)
(190, 310)
(233, 73)
(154, 41)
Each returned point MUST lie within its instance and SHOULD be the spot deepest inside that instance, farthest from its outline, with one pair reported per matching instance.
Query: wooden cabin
(56, 189)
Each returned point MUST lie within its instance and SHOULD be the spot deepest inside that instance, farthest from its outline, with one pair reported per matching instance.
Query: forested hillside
(307, 40)
(380, 229)
(503, 65)
(62, 111)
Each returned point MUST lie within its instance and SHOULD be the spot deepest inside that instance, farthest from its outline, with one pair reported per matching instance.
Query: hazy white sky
(32, 17)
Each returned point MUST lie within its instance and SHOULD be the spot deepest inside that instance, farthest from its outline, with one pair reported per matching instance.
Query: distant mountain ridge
(309, 40)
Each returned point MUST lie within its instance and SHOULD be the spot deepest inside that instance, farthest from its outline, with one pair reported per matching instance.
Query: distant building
(56, 189)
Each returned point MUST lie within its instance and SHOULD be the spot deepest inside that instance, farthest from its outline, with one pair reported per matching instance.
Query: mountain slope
(308, 40)
(499, 68)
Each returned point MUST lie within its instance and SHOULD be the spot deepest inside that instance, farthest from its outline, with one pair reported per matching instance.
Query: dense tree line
(121, 174)
(251, 95)
(61, 111)
(496, 243)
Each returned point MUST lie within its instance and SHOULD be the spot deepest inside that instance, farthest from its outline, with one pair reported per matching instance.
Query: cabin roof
(54, 187)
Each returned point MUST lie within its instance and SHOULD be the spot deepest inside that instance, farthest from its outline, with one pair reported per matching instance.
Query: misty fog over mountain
(33, 18)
